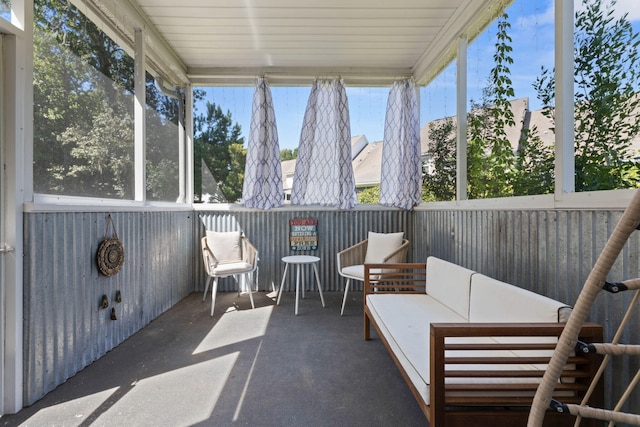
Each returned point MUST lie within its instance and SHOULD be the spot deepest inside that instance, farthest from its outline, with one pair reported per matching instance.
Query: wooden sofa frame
(471, 404)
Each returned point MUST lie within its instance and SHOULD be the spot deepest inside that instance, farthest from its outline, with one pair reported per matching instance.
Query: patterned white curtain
(401, 174)
(324, 173)
(262, 187)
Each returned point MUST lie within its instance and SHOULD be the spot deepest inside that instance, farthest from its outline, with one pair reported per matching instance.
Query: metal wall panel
(548, 252)
(269, 232)
(64, 327)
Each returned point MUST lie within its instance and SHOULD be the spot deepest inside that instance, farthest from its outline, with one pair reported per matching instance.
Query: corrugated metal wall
(64, 328)
(269, 232)
(548, 252)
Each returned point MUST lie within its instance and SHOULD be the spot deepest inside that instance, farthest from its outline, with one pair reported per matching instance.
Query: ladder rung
(617, 349)
(603, 414)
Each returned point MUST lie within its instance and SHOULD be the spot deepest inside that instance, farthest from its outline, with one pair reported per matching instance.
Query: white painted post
(461, 112)
(564, 77)
(139, 117)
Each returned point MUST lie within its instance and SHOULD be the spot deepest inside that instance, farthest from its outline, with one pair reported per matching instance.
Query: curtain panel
(324, 173)
(401, 171)
(263, 186)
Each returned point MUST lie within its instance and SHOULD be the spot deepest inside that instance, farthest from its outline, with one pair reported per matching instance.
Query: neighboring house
(367, 157)
(358, 143)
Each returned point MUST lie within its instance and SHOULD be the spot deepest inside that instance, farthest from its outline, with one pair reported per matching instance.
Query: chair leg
(214, 290)
(344, 299)
(249, 280)
(206, 287)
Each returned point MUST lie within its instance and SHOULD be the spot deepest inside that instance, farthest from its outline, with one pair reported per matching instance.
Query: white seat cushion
(354, 271)
(404, 321)
(230, 268)
(357, 271)
(225, 246)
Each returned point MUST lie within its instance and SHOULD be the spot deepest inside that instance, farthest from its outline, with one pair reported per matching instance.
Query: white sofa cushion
(449, 283)
(404, 321)
(379, 245)
(495, 301)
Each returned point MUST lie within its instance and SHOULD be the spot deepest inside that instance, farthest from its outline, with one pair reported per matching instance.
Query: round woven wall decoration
(110, 252)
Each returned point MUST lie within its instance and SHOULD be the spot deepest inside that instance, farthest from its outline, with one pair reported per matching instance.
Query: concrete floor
(261, 367)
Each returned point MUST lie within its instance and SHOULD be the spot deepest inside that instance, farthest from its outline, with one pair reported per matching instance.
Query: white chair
(378, 248)
(228, 254)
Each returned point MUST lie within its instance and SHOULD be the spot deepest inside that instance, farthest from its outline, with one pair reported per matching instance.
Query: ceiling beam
(295, 76)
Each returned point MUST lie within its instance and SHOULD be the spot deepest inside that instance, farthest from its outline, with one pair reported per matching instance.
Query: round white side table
(299, 261)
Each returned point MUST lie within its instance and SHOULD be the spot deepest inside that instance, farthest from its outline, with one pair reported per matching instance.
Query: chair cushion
(225, 246)
(230, 268)
(380, 245)
(357, 271)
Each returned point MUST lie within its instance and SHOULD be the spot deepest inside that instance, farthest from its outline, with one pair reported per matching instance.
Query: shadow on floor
(260, 367)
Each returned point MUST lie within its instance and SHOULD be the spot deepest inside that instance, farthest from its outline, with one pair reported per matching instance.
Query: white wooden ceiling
(223, 40)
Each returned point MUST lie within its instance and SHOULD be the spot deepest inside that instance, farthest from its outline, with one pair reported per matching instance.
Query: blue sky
(532, 33)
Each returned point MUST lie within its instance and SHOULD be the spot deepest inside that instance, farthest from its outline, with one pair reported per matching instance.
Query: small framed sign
(303, 234)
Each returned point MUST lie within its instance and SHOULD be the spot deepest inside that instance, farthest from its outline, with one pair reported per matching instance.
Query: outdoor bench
(471, 348)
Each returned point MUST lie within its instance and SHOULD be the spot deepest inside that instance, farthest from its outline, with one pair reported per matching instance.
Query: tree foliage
(218, 142)
(83, 112)
(441, 185)
(490, 156)
(288, 154)
(369, 195)
(607, 69)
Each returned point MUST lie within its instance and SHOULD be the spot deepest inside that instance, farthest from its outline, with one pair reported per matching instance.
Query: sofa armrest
(396, 277)
(474, 364)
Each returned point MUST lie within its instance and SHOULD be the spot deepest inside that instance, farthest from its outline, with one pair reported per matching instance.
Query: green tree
(534, 166)
(441, 184)
(369, 195)
(490, 165)
(162, 151)
(288, 154)
(83, 112)
(607, 68)
(218, 142)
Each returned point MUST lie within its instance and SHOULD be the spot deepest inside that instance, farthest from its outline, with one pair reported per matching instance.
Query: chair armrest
(249, 252)
(353, 255)
(399, 255)
(210, 261)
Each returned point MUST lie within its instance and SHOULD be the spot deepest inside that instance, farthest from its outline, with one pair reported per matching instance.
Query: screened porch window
(5, 10)
(83, 107)
(162, 148)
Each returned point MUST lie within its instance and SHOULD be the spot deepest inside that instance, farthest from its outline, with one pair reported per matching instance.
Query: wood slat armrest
(394, 278)
(466, 389)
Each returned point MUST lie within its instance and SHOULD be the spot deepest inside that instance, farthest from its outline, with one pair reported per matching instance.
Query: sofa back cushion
(496, 301)
(449, 284)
